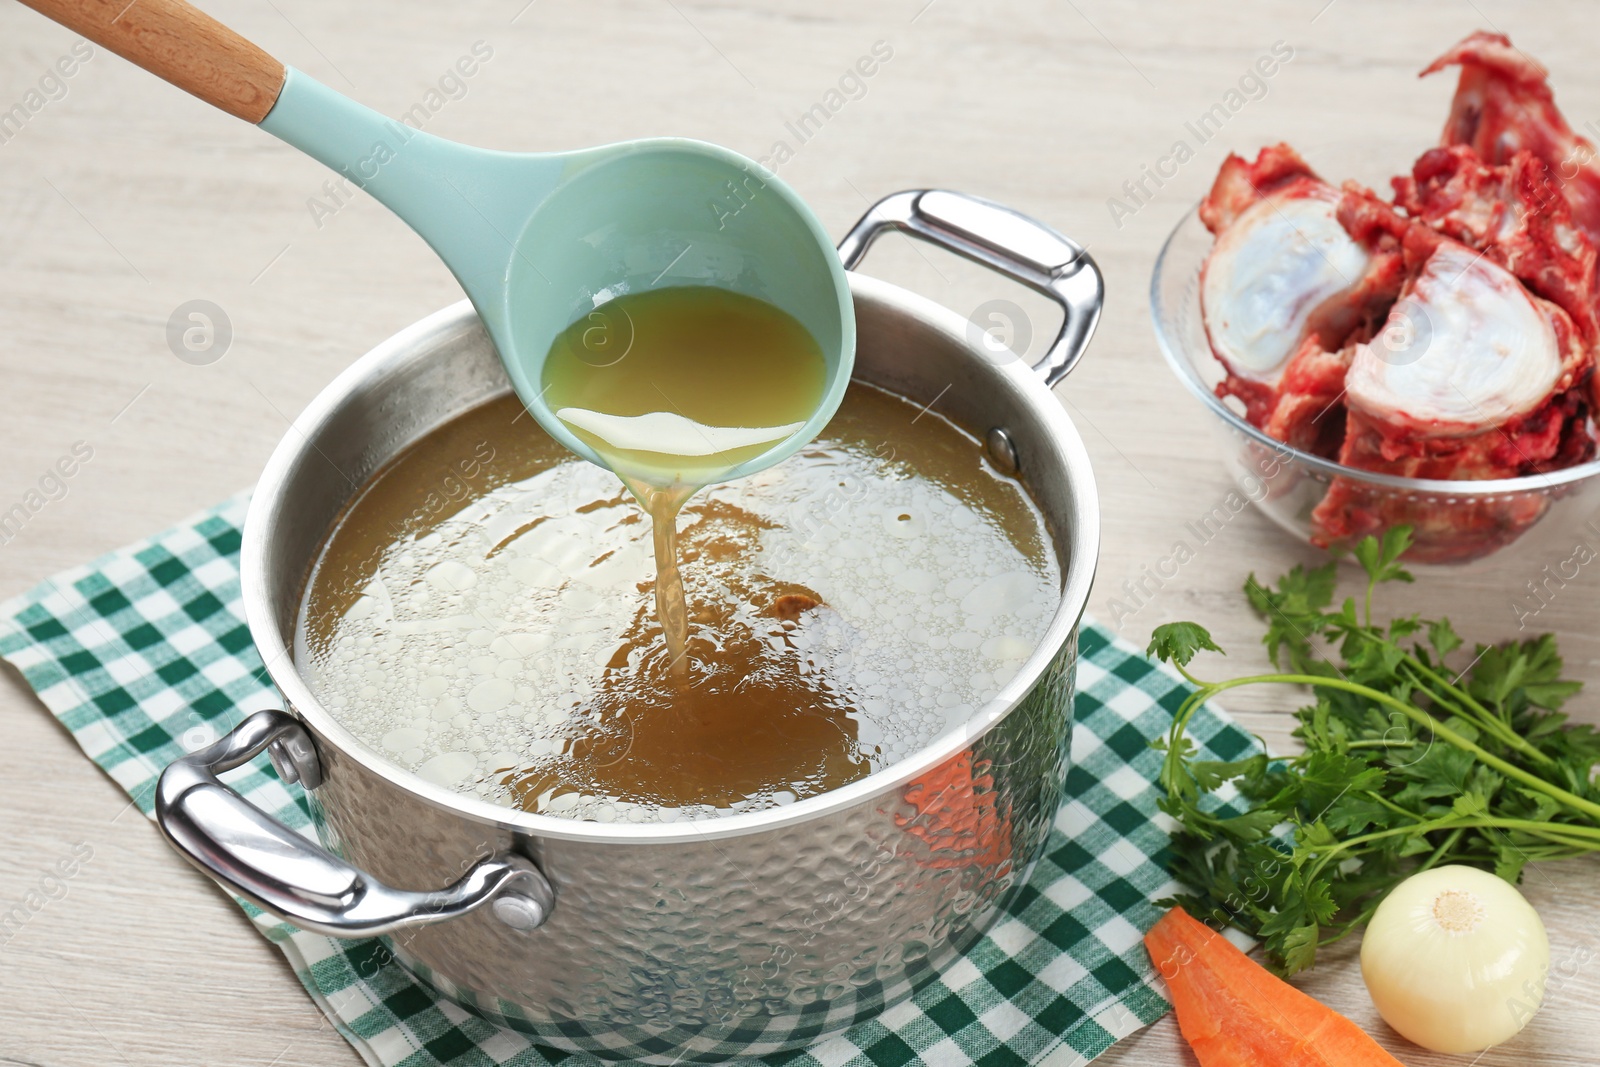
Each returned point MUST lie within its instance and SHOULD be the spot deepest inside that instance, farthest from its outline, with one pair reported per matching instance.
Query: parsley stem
(1453, 689)
(1191, 679)
(1326, 854)
(1460, 702)
(1391, 805)
(1444, 846)
(1348, 928)
(1422, 718)
(1482, 715)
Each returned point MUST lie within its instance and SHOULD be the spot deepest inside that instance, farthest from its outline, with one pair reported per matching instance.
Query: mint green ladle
(537, 240)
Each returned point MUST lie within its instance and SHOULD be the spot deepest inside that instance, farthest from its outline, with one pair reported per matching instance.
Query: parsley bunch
(1409, 763)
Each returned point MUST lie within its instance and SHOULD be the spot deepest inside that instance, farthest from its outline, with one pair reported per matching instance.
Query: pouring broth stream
(674, 388)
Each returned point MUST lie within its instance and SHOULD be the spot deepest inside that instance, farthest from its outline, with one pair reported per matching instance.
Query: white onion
(1455, 959)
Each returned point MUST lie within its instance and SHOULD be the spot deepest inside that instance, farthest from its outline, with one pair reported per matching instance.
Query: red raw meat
(1443, 530)
(1515, 213)
(1305, 411)
(1503, 104)
(1240, 184)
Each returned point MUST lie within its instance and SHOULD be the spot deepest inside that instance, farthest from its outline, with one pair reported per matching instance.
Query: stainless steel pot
(690, 941)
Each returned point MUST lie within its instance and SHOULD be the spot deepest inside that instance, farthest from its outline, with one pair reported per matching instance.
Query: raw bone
(1282, 275)
(1503, 104)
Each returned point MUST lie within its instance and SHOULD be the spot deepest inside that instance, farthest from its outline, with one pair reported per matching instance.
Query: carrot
(1234, 1013)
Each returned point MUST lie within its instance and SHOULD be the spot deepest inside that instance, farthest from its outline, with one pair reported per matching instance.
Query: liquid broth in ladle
(674, 388)
(482, 615)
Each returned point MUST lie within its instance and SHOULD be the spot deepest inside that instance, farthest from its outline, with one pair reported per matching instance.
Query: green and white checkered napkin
(144, 655)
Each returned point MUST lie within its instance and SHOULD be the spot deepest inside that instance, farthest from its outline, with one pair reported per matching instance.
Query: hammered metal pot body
(763, 941)
(722, 938)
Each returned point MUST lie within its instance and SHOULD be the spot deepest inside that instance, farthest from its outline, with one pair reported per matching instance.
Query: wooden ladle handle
(181, 44)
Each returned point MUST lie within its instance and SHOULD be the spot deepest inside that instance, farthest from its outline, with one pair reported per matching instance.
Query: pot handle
(1021, 248)
(257, 857)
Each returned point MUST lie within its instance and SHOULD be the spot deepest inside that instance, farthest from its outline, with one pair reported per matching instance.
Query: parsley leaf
(1177, 643)
(1381, 559)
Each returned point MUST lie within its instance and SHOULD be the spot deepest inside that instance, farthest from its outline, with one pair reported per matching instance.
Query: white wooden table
(120, 199)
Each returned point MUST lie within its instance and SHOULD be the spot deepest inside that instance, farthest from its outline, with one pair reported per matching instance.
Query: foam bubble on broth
(503, 644)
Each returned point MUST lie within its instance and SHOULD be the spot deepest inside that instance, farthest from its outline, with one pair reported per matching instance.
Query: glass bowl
(1454, 521)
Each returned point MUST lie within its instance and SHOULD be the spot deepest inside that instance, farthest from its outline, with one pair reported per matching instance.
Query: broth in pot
(483, 615)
